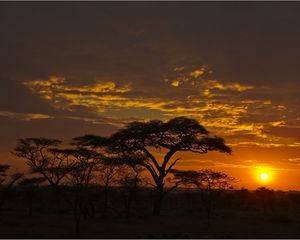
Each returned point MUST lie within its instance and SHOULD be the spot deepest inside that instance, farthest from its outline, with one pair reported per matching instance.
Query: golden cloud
(196, 79)
(214, 84)
(49, 88)
(197, 73)
(221, 112)
(175, 83)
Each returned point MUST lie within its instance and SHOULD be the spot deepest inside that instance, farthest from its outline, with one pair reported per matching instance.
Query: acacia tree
(108, 174)
(79, 177)
(210, 184)
(41, 158)
(7, 182)
(107, 169)
(180, 134)
(115, 167)
(130, 179)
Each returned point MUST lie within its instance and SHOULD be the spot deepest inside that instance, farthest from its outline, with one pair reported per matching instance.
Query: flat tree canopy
(179, 134)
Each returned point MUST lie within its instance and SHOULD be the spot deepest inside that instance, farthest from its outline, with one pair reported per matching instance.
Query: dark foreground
(236, 215)
(225, 225)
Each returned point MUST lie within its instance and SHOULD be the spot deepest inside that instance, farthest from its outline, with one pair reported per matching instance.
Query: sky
(74, 68)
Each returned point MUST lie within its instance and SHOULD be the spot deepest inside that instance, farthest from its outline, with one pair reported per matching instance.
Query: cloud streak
(222, 107)
(24, 116)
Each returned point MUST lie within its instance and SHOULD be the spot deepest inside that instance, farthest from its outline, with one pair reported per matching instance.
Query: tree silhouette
(3, 173)
(42, 158)
(7, 182)
(107, 173)
(180, 134)
(108, 166)
(210, 184)
(79, 177)
(130, 180)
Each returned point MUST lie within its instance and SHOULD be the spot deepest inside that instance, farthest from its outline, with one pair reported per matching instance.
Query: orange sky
(245, 165)
(73, 69)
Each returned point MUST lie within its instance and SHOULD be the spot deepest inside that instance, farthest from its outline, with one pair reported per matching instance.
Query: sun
(264, 176)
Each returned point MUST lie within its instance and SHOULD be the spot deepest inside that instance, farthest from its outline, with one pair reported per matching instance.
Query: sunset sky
(73, 68)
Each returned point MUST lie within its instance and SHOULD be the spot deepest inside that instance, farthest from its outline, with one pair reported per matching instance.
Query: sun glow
(264, 176)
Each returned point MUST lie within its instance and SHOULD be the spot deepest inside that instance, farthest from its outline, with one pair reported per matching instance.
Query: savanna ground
(235, 215)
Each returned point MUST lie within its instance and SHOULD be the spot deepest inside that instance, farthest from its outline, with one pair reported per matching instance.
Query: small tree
(40, 157)
(121, 167)
(7, 182)
(106, 169)
(130, 180)
(210, 184)
(83, 162)
(107, 176)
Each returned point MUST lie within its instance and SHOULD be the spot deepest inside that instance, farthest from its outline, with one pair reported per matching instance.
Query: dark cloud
(17, 98)
(141, 40)
(61, 128)
(289, 132)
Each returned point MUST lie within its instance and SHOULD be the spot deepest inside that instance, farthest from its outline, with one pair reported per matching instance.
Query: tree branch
(172, 164)
(168, 157)
(153, 159)
(151, 170)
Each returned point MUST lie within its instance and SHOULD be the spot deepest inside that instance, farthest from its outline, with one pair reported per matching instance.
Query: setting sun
(264, 176)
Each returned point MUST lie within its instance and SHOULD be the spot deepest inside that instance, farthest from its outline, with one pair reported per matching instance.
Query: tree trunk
(158, 199)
